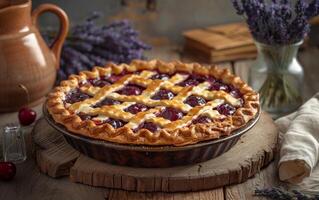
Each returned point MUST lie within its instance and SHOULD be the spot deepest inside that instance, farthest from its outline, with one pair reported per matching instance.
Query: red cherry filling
(131, 89)
(163, 94)
(172, 114)
(136, 108)
(235, 92)
(189, 82)
(202, 120)
(210, 79)
(149, 126)
(199, 78)
(116, 123)
(115, 77)
(225, 109)
(99, 122)
(160, 76)
(106, 102)
(193, 80)
(218, 85)
(84, 116)
(76, 96)
(195, 101)
(100, 82)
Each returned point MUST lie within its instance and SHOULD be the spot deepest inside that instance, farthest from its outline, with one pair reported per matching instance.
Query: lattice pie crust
(179, 132)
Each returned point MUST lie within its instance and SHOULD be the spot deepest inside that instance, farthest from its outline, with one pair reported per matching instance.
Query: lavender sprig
(238, 6)
(89, 45)
(277, 21)
(313, 9)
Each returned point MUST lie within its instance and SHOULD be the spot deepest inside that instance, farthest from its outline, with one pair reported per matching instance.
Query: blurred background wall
(159, 21)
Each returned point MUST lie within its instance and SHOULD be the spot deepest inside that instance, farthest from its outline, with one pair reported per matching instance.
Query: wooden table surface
(29, 183)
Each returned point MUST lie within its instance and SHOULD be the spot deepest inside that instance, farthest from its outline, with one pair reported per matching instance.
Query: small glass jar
(14, 149)
(278, 77)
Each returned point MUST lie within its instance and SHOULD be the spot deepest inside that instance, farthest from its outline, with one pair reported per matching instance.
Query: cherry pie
(153, 103)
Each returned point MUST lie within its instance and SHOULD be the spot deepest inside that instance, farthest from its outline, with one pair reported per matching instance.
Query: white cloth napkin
(299, 152)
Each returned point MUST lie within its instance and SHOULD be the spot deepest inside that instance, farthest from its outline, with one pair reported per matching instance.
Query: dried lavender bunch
(277, 21)
(89, 44)
(281, 194)
(279, 26)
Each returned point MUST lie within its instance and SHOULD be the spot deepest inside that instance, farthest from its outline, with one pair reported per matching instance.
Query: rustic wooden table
(29, 183)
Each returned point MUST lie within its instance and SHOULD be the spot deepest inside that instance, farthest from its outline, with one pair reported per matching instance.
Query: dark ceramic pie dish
(149, 156)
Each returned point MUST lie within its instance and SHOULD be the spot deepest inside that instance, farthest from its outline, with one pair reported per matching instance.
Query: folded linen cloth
(299, 139)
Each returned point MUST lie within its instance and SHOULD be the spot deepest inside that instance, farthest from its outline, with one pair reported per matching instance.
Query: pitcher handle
(56, 46)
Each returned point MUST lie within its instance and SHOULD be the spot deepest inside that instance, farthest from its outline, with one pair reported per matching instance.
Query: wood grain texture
(245, 191)
(244, 160)
(49, 150)
(217, 194)
(220, 43)
(221, 37)
(204, 57)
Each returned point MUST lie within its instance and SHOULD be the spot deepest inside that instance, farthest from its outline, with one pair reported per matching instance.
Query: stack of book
(220, 43)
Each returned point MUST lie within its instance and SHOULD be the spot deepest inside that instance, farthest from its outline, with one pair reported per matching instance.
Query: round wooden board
(254, 150)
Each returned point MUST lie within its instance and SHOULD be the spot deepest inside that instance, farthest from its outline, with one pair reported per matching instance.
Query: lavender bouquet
(280, 26)
(89, 45)
(277, 22)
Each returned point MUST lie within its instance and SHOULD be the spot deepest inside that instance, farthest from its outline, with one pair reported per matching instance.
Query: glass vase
(278, 77)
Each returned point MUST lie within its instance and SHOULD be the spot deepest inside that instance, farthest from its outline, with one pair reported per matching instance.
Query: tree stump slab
(255, 150)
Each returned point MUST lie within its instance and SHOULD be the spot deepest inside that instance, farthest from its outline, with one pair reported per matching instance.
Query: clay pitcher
(28, 67)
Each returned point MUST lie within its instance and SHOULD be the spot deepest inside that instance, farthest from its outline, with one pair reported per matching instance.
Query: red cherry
(194, 80)
(107, 102)
(217, 85)
(84, 116)
(101, 82)
(7, 171)
(202, 120)
(189, 82)
(163, 94)
(136, 108)
(195, 101)
(225, 109)
(131, 90)
(115, 77)
(172, 114)
(149, 126)
(26, 116)
(76, 96)
(160, 76)
(116, 123)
